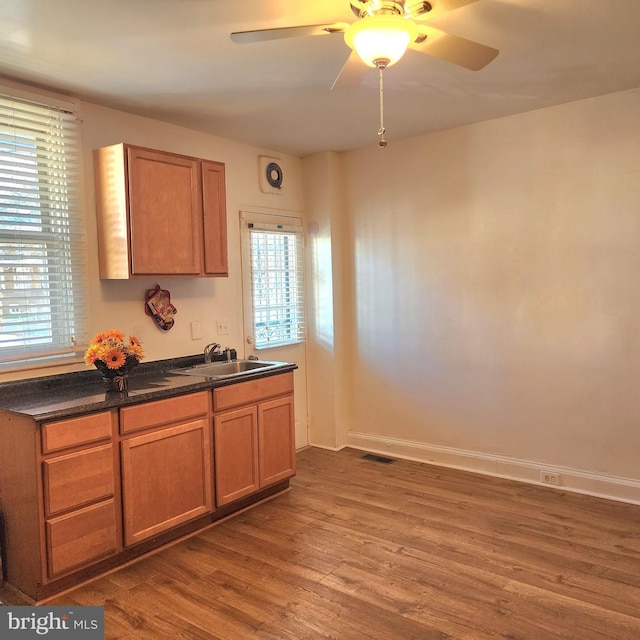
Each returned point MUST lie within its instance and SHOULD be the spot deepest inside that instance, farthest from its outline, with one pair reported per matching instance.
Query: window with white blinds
(42, 282)
(277, 285)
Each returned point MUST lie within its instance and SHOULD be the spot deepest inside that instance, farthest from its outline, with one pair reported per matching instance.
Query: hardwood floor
(405, 551)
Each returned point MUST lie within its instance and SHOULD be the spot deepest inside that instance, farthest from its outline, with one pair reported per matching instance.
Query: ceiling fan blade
(260, 35)
(465, 53)
(351, 74)
(440, 7)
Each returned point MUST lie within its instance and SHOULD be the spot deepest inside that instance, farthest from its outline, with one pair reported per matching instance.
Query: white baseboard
(574, 480)
(324, 446)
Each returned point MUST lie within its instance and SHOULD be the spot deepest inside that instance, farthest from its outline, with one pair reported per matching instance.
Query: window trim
(278, 223)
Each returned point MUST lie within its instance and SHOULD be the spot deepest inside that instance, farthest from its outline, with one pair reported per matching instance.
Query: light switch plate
(223, 327)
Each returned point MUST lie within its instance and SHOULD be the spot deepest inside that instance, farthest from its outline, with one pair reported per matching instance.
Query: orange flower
(114, 358)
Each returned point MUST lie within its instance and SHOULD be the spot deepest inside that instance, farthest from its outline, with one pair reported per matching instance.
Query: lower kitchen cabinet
(276, 435)
(236, 450)
(85, 494)
(254, 444)
(79, 487)
(166, 473)
(59, 498)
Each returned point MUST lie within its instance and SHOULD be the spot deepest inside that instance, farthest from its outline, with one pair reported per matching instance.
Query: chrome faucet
(209, 350)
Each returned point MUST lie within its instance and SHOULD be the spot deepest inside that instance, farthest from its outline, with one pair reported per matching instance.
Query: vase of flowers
(114, 357)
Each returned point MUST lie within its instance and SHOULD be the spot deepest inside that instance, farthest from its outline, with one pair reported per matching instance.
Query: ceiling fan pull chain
(382, 143)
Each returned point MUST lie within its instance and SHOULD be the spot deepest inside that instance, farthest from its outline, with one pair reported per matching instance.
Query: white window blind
(277, 285)
(42, 282)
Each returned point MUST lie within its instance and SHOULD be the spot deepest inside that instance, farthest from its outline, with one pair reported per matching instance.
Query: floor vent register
(374, 458)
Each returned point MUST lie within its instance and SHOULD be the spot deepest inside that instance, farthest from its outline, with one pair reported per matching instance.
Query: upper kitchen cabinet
(159, 214)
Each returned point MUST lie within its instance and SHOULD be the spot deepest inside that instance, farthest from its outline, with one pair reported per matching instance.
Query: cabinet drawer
(155, 414)
(252, 391)
(81, 536)
(78, 478)
(77, 431)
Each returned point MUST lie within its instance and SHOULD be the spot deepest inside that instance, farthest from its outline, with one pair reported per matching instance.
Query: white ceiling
(173, 60)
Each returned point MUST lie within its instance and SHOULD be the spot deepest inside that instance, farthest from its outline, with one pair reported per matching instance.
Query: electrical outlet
(549, 477)
(223, 327)
(196, 331)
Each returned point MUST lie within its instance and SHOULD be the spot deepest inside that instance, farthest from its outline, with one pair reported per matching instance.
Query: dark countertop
(72, 394)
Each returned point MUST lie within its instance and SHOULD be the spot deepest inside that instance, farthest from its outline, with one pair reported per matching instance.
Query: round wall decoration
(274, 175)
(271, 175)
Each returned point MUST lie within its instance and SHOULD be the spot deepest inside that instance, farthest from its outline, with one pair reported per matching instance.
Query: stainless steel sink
(227, 369)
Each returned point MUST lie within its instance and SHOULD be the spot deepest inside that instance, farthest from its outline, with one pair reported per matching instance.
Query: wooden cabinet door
(236, 454)
(214, 208)
(165, 213)
(166, 479)
(276, 429)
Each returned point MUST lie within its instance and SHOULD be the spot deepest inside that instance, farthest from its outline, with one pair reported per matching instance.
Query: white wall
(328, 285)
(496, 303)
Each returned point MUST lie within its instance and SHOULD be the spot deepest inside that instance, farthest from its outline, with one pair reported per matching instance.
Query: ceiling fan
(380, 18)
(381, 35)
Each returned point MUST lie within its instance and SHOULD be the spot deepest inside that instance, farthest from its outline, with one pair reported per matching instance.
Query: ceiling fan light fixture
(381, 38)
